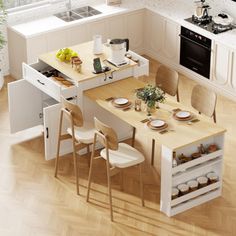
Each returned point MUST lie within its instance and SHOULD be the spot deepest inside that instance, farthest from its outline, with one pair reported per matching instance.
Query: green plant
(3, 15)
(150, 95)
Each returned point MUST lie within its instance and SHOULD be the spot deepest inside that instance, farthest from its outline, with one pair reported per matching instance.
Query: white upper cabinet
(135, 32)
(221, 63)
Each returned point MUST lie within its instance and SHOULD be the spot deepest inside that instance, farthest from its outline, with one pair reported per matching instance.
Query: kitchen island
(90, 91)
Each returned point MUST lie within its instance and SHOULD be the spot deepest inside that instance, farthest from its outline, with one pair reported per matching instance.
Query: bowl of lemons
(65, 54)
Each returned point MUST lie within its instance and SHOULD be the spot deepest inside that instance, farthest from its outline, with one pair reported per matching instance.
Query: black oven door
(195, 56)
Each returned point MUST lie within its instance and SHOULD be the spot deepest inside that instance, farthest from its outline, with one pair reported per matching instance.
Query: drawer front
(46, 84)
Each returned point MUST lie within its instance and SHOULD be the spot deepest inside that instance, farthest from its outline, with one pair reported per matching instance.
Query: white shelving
(172, 177)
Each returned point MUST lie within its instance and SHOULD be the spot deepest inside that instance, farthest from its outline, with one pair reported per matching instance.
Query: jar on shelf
(174, 193)
(183, 189)
(202, 181)
(174, 161)
(212, 177)
(193, 185)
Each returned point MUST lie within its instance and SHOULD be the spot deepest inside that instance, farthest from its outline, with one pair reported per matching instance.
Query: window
(10, 4)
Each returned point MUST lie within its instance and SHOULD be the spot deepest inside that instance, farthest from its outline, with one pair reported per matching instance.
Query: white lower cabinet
(171, 177)
(233, 71)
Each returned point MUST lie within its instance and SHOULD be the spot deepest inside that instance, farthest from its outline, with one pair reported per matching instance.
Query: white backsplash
(183, 8)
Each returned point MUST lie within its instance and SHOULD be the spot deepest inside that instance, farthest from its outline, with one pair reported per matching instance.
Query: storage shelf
(186, 175)
(195, 193)
(189, 164)
(195, 202)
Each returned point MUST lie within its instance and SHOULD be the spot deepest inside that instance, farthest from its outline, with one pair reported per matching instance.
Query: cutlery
(109, 99)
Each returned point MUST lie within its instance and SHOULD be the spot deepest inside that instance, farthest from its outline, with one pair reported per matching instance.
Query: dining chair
(81, 133)
(204, 101)
(168, 79)
(117, 156)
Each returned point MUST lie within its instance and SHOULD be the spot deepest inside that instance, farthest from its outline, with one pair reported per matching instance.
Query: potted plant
(151, 95)
(2, 39)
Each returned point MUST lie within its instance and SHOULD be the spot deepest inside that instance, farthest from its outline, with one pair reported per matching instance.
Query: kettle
(119, 47)
(201, 11)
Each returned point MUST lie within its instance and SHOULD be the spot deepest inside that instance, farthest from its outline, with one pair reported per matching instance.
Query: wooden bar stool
(168, 80)
(81, 133)
(117, 155)
(204, 101)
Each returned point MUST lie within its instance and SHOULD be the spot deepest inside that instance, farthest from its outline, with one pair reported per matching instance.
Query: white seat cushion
(124, 157)
(84, 134)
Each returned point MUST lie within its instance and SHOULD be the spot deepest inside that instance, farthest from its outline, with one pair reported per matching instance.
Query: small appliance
(97, 44)
(119, 47)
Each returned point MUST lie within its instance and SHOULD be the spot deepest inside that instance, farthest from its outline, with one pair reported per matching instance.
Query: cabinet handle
(47, 133)
(40, 82)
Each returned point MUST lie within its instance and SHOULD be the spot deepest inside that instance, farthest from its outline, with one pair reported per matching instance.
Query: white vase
(1, 79)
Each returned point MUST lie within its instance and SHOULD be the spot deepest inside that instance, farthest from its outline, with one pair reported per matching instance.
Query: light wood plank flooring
(33, 202)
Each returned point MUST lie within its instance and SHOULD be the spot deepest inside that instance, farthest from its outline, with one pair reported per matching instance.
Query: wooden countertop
(85, 52)
(183, 134)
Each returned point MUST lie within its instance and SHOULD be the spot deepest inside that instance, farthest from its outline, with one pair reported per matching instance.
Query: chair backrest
(167, 79)
(74, 110)
(203, 100)
(109, 134)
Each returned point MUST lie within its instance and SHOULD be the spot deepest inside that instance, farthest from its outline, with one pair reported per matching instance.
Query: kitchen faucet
(68, 5)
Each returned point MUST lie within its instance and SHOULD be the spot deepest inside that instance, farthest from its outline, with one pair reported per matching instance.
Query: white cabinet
(117, 27)
(171, 177)
(161, 38)
(135, 30)
(233, 70)
(221, 63)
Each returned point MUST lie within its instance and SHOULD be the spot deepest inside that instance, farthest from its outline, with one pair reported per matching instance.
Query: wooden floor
(33, 202)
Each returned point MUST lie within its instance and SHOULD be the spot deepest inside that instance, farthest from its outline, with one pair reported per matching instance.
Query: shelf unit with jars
(198, 163)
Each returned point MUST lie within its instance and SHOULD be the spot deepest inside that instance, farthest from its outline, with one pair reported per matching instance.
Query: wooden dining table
(178, 133)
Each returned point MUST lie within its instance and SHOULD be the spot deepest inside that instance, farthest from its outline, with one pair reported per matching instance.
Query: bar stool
(117, 156)
(168, 80)
(204, 101)
(81, 133)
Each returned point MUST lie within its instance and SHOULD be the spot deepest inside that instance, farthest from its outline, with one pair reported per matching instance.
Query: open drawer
(142, 67)
(48, 85)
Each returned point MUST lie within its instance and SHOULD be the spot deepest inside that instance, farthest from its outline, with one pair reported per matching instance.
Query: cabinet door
(98, 27)
(57, 39)
(51, 116)
(171, 40)
(221, 63)
(78, 34)
(25, 105)
(117, 27)
(154, 27)
(135, 25)
(35, 47)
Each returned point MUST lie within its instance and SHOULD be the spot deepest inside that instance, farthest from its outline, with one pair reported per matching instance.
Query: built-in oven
(195, 52)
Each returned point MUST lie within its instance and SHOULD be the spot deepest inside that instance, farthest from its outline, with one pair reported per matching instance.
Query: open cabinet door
(25, 105)
(51, 131)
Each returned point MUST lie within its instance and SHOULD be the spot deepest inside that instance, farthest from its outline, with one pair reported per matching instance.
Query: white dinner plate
(121, 101)
(157, 123)
(183, 114)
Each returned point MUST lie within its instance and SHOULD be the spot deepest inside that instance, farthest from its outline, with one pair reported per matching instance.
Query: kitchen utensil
(97, 44)
(223, 19)
(119, 47)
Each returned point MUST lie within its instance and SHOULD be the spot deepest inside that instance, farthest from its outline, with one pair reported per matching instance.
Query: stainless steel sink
(78, 13)
(68, 16)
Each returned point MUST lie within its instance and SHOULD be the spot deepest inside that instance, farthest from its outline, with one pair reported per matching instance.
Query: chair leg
(177, 95)
(214, 116)
(75, 166)
(109, 190)
(141, 184)
(133, 136)
(90, 170)
(89, 160)
(58, 145)
(153, 152)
